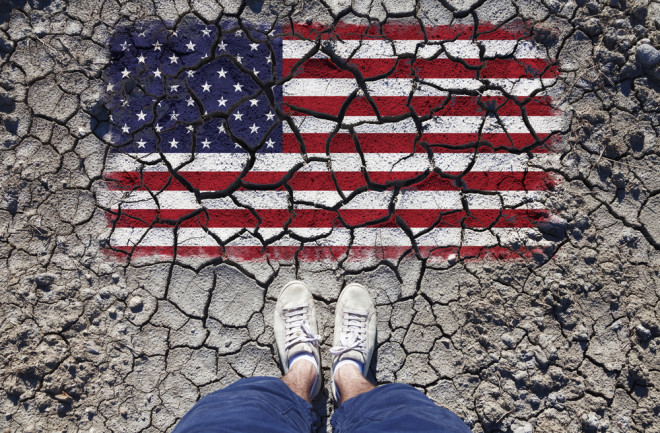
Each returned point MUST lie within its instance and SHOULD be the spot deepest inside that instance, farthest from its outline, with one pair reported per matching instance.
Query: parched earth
(564, 342)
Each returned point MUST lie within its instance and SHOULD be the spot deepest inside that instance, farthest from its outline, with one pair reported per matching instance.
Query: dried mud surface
(568, 343)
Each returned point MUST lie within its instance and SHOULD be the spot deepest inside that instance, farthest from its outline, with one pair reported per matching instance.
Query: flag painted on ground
(328, 142)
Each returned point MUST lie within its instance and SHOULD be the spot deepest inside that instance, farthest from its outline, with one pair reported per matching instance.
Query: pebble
(135, 303)
(644, 333)
(648, 55)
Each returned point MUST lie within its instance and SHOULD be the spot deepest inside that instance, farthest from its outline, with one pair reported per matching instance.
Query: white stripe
(438, 124)
(378, 49)
(426, 87)
(408, 199)
(377, 237)
(374, 162)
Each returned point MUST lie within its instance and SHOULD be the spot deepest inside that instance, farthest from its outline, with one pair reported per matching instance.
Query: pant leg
(255, 404)
(395, 408)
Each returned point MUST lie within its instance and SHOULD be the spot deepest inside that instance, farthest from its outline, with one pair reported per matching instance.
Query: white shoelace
(354, 335)
(296, 327)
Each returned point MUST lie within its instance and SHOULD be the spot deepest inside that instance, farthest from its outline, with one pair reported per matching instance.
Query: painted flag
(316, 142)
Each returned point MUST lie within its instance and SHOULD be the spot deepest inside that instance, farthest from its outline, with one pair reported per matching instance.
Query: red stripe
(397, 143)
(323, 181)
(478, 218)
(311, 254)
(412, 31)
(422, 106)
(410, 68)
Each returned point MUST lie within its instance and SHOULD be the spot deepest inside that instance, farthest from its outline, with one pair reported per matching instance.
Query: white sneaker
(355, 329)
(295, 329)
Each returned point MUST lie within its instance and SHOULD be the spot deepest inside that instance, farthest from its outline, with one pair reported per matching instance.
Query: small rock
(590, 421)
(520, 376)
(644, 333)
(522, 428)
(135, 304)
(557, 400)
(508, 340)
(648, 55)
(44, 280)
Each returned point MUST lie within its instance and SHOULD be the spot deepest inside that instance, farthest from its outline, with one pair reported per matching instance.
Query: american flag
(318, 142)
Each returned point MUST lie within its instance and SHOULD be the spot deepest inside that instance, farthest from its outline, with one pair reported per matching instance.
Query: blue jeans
(266, 404)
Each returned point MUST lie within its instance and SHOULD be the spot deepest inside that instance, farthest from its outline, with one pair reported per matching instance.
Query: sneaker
(355, 330)
(294, 326)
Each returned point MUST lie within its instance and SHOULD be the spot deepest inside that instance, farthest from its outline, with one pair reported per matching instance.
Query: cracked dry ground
(567, 342)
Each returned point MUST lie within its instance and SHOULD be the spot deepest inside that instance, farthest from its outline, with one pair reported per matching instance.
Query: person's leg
(300, 379)
(350, 382)
(297, 339)
(255, 404)
(365, 408)
(268, 404)
(395, 408)
(354, 342)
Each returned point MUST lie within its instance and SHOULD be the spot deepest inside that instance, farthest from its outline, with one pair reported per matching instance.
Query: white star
(173, 143)
(254, 71)
(142, 34)
(174, 88)
(124, 102)
(158, 128)
(268, 59)
(174, 116)
(175, 32)
(125, 129)
(141, 59)
(206, 32)
(239, 59)
(239, 32)
(156, 73)
(238, 116)
(254, 128)
(173, 58)
(206, 87)
(270, 115)
(110, 87)
(238, 87)
(141, 143)
(270, 143)
(157, 46)
(190, 73)
(189, 128)
(124, 46)
(141, 115)
(205, 55)
(190, 101)
(254, 47)
(125, 73)
(254, 102)
(221, 129)
(222, 46)
(205, 144)
(191, 46)
(222, 102)
(222, 73)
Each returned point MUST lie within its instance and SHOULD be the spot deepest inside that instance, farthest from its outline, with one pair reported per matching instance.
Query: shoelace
(296, 327)
(354, 335)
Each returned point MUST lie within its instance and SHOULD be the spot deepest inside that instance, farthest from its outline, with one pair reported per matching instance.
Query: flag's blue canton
(193, 88)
